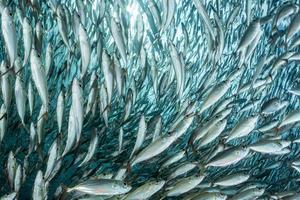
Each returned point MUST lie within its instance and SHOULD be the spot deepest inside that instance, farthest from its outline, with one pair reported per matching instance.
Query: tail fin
(64, 193)
(128, 167)
(24, 126)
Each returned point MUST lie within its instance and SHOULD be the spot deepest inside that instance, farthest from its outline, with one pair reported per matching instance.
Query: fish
(52, 160)
(291, 117)
(213, 133)
(251, 193)
(108, 75)
(20, 98)
(30, 97)
(92, 148)
(229, 157)
(273, 105)
(145, 191)
(101, 187)
(48, 58)
(121, 135)
(148, 99)
(6, 85)
(210, 195)
(232, 179)
(9, 34)
(243, 128)
(173, 159)
(60, 110)
(3, 121)
(27, 38)
(182, 169)
(141, 134)
(184, 185)
(39, 190)
(10, 196)
(62, 24)
(251, 32)
(85, 49)
(39, 77)
(11, 168)
(154, 149)
(118, 38)
(293, 28)
(266, 146)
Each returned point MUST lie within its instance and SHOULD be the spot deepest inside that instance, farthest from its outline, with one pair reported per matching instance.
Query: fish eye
(125, 184)
(259, 188)
(39, 55)
(270, 76)
(10, 13)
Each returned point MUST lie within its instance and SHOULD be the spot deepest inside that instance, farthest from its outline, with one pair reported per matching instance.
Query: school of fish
(149, 99)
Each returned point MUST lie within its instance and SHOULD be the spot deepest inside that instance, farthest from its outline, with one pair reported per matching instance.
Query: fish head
(159, 183)
(7, 14)
(221, 196)
(125, 187)
(243, 150)
(259, 190)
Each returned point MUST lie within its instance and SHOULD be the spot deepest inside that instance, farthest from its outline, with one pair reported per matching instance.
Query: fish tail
(107, 108)
(26, 129)
(277, 130)
(128, 166)
(71, 50)
(289, 164)
(185, 149)
(40, 152)
(201, 167)
(17, 72)
(191, 144)
(274, 29)
(45, 115)
(65, 190)
(286, 46)
(7, 71)
(194, 150)
(24, 63)
(162, 197)
(4, 116)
